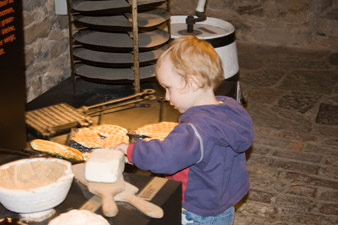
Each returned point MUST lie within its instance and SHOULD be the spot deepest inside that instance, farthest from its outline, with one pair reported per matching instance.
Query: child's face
(178, 93)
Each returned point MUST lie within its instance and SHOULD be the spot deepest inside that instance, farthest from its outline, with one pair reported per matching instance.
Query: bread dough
(104, 166)
(78, 217)
(156, 130)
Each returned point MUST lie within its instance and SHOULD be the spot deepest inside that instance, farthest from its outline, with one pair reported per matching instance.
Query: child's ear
(194, 81)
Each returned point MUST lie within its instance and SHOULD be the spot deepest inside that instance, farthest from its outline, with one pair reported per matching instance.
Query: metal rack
(118, 41)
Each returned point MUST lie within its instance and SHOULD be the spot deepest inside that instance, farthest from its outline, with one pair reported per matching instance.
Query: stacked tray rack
(117, 41)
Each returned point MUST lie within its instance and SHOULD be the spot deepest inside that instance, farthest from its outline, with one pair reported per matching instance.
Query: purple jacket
(206, 152)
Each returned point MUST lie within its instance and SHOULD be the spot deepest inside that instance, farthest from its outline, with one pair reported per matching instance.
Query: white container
(33, 187)
(60, 7)
(219, 33)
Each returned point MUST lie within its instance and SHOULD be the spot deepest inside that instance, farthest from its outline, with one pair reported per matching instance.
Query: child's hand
(121, 147)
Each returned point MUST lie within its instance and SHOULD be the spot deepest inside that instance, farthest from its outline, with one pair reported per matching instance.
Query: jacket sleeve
(178, 151)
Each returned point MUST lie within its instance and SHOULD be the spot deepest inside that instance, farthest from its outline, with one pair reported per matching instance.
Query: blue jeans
(225, 218)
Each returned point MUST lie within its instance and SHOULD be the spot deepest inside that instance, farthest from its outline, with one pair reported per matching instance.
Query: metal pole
(70, 33)
(136, 67)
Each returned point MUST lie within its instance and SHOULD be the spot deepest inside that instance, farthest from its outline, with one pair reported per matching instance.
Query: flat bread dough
(87, 137)
(111, 141)
(78, 217)
(107, 130)
(157, 130)
(101, 136)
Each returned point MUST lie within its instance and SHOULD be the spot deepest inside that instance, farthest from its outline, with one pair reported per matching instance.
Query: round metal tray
(113, 59)
(120, 42)
(88, 7)
(120, 23)
(112, 74)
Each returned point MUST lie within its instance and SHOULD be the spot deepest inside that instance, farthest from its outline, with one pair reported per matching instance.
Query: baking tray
(89, 7)
(112, 74)
(120, 23)
(113, 59)
(120, 42)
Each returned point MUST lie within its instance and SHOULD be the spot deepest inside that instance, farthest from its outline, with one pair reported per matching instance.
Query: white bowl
(33, 187)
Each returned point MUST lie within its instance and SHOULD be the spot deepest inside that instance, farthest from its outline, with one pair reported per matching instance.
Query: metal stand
(70, 33)
(136, 67)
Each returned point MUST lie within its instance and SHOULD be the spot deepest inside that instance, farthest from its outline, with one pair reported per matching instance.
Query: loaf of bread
(56, 149)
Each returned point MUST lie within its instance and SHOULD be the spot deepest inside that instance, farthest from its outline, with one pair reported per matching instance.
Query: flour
(34, 174)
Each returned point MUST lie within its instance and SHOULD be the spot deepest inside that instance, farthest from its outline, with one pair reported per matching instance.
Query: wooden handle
(146, 207)
(109, 207)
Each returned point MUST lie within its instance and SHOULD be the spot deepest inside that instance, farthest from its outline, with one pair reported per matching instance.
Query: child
(206, 150)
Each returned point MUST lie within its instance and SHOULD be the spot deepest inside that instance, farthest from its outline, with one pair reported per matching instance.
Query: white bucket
(60, 7)
(219, 33)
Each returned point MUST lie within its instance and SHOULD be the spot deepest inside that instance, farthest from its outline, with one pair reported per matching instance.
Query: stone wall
(300, 23)
(46, 47)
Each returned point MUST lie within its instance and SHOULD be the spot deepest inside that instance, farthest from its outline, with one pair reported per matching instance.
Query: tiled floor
(292, 96)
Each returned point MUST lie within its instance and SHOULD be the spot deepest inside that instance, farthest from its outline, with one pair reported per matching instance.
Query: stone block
(294, 216)
(29, 56)
(298, 101)
(56, 35)
(259, 149)
(258, 210)
(58, 48)
(301, 190)
(331, 161)
(273, 163)
(321, 149)
(278, 118)
(300, 156)
(304, 179)
(333, 59)
(243, 219)
(264, 77)
(329, 196)
(29, 5)
(37, 30)
(295, 202)
(260, 196)
(327, 114)
(309, 81)
(262, 131)
(296, 146)
(279, 143)
(329, 172)
(263, 95)
(331, 209)
(331, 141)
(293, 166)
(294, 135)
(268, 182)
(61, 22)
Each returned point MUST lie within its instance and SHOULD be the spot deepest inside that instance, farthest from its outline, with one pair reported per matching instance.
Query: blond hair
(192, 56)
